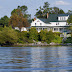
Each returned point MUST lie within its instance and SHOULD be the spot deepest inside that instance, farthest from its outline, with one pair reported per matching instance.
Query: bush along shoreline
(11, 37)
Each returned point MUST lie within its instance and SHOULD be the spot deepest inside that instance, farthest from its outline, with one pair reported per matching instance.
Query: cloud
(62, 3)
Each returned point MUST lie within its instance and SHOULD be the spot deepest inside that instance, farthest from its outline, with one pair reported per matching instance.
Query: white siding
(58, 24)
(38, 22)
(62, 18)
(40, 25)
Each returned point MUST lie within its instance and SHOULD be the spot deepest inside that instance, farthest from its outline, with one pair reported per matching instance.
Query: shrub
(8, 36)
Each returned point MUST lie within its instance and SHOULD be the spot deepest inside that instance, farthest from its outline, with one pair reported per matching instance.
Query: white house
(54, 22)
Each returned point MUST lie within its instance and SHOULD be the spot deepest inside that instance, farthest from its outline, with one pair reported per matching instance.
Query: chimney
(47, 15)
(34, 19)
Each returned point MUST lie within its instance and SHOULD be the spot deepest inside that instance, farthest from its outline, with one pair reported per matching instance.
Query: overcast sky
(6, 6)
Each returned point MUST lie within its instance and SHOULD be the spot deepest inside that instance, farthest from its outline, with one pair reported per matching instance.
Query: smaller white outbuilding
(22, 29)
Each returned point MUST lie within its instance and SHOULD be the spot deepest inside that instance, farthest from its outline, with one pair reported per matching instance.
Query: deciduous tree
(17, 20)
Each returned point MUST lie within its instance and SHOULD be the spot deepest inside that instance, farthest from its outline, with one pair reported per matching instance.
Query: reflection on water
(36, 59)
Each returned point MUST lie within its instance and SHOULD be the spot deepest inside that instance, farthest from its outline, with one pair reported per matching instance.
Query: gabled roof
(53, 18)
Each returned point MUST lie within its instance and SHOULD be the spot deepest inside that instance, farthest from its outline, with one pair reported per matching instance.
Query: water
(36, 59)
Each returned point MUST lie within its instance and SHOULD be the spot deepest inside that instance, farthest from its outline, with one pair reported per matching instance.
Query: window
(61, 29)
(62, 18)
(55, 29)
(57, 23)
(40, 28)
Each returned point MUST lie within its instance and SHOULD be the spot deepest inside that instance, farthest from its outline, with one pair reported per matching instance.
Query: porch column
(58, 30)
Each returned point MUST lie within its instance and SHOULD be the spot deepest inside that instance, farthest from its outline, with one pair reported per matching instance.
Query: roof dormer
(63, 17)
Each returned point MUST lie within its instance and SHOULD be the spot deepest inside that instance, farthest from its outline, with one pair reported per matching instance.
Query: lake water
(36, 59)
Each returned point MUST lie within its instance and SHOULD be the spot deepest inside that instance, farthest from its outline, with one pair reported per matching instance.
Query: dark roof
(63, 14)
(53, 18)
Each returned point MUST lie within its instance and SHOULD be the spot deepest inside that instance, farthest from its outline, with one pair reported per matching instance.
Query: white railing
(67, 35)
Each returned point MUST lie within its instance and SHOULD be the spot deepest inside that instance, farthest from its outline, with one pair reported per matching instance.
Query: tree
(23, 9)
(39, 13)
(69, 21)
(17, 20)
(4, 21)
(42, 11)
(8, 36)
(33, 34)
(57, 39)
(43, 35)
(23, 37)
(69, 12)
(46, 36)
(50, 37)
(61, 11)
(56, 10)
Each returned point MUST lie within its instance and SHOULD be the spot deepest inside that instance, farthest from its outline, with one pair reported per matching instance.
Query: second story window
(57, 23)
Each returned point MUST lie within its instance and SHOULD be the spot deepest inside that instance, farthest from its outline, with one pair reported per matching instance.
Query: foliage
(69, 19)
(57, 39)
(46, 36)
(50, 37)
(33, 34)
(23, 37)
(8, 36)
(57, 33)
(42, 11)
(1, 28)
(23, 9)
(69, 12)
(4, 21)
(17, 20)
(43, 35)
(69, 40)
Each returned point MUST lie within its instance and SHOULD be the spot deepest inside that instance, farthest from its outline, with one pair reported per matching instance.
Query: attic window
(40, 23)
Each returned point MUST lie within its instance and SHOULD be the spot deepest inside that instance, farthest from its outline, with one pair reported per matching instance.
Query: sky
(6, 6)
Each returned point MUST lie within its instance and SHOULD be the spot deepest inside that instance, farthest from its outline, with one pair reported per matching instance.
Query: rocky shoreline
(44, 44)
